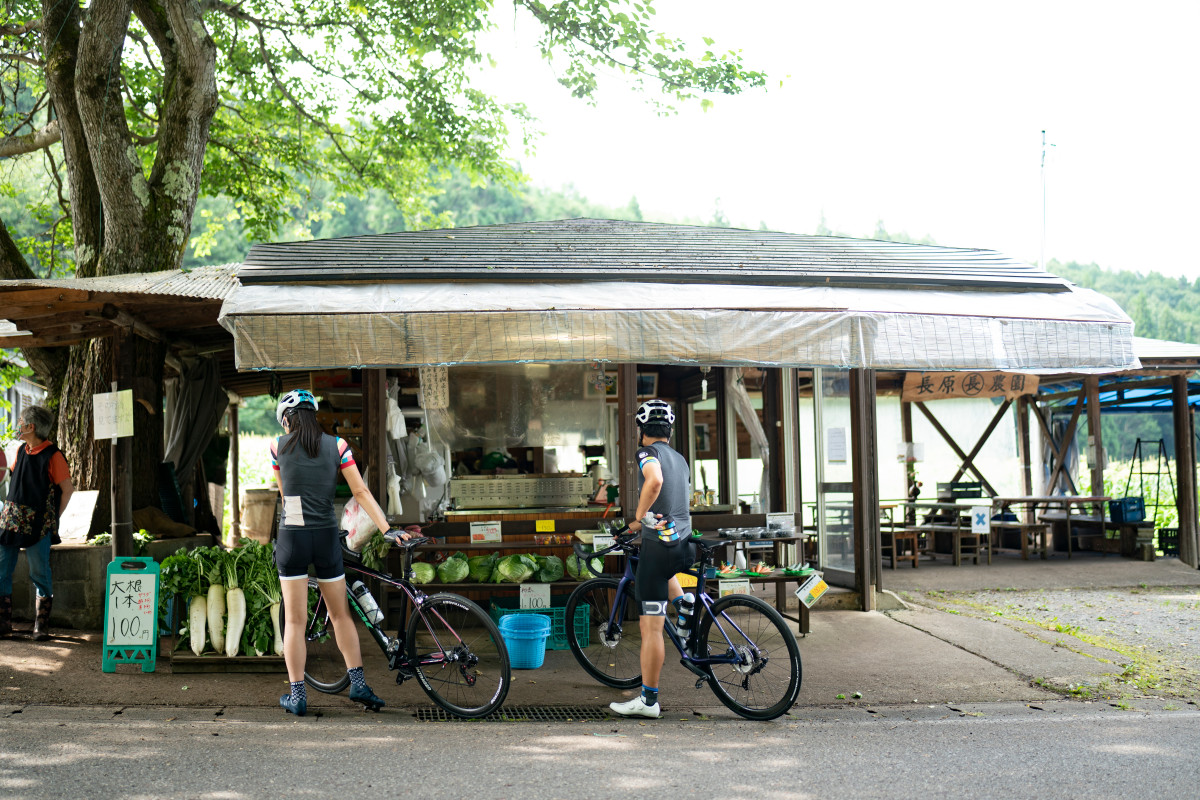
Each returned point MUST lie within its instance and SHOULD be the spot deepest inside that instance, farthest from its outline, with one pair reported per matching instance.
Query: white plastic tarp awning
(413, 324)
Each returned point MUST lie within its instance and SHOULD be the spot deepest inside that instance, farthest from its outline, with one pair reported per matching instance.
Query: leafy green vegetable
(579, 571)
(514, 569)
(374, 552)
(453, 569)
(550, 569)
(479, 568)
(423, 572)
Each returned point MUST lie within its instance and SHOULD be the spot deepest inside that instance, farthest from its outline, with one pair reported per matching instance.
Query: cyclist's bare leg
(344, 631)
(653, 650)
(674, 590)
(295, 609)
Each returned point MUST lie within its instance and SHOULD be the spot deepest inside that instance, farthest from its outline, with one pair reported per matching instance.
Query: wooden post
(1185, 472)
(868, 563)
(773, 427)
(726, 442)
(235, 520)
(121, 469)
(627, 438)
(906, 436)
(374, 434)
(1091, 385)
(1024, 453)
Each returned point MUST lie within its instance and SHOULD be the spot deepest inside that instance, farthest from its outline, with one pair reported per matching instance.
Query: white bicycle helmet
(293, 399)
(655, 411)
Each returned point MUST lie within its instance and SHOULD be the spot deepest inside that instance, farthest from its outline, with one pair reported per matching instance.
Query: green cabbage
(423, 573)
(453, 569)
(514, 569)
(550, 569)
(579, 571)
(480, 567)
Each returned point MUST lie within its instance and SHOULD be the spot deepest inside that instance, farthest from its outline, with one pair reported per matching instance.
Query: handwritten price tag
(544, 526)
(485, 531)
(535, 595)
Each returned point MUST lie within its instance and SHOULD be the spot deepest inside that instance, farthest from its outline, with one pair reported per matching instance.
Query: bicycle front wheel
(324, 665)
(611, 649)
(459, 656)
(765, 681)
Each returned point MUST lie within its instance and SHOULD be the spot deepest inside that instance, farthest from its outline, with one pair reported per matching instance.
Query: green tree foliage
(1161, 307)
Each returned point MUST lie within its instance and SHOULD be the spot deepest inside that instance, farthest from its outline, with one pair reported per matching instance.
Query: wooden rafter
(969, 463)
(954, 446)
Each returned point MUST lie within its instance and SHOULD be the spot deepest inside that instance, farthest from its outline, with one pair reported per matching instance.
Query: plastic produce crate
(1127, 509)
(1168, 541)
(558, 629)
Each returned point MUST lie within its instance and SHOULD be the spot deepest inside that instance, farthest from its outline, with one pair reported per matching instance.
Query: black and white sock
(298, 692)
(357, 681)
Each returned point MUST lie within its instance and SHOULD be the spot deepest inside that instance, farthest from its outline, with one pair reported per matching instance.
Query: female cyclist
(307, 462)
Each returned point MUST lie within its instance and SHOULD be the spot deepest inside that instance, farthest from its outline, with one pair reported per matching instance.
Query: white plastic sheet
(311, 327)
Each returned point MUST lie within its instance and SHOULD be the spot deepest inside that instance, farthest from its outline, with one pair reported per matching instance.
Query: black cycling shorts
(658, 562)
(297, 548)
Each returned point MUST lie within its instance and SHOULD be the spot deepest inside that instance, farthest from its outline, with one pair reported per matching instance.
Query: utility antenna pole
(1042, 256)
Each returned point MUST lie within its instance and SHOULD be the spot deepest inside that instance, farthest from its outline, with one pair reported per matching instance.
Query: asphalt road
(1056, 749)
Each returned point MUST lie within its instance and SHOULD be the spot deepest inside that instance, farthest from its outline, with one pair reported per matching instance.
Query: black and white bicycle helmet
(293, 399)
(653, 411)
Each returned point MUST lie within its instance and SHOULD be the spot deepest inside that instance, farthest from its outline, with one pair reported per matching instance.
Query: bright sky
(925, 115)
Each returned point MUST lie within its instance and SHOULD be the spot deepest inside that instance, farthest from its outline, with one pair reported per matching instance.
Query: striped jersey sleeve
(275, 454)
(345, 455)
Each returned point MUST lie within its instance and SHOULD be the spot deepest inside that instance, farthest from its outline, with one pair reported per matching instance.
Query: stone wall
(77, 572)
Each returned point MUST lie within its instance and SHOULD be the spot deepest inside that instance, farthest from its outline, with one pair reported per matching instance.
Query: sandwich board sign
(131, 614)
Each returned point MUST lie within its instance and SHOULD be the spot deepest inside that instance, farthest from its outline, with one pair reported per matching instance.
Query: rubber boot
(5, 616)
(41, 620)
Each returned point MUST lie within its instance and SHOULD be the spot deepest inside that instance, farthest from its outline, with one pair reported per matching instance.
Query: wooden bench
(1029, 533)
(1132, 540)
(962, 540)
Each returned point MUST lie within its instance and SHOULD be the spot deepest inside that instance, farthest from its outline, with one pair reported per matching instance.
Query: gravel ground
(1160, 624)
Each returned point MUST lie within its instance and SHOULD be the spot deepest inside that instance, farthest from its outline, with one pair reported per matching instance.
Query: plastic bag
(357, 524)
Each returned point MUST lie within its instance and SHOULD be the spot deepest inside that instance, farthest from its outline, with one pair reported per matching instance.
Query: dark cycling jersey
(659, 560)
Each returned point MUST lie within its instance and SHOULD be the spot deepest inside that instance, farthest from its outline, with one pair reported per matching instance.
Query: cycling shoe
(367, 698)
(297, 707)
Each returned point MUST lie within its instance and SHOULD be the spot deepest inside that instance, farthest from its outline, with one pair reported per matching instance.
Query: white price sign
(601, 541)
(485, 531)
(535, 595)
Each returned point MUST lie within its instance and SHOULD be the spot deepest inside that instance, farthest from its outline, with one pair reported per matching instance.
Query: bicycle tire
(459, 656)
(324, 665)
(758, 688)
(614, 661)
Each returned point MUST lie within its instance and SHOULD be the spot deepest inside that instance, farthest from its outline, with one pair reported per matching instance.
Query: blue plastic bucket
(525, 636)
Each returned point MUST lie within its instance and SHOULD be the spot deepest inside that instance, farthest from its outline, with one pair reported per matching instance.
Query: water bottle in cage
(363, 595)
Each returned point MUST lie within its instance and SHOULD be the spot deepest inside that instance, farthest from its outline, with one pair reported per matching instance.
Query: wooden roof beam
(123, 319)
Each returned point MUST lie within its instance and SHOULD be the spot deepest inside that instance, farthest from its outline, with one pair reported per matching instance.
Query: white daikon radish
(216, 611)
(235, 607)
(197, 614)
(278, 630)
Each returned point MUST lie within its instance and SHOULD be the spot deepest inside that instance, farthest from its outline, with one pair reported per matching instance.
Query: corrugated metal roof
(209, 283)
(1159, 348)
(595, 249)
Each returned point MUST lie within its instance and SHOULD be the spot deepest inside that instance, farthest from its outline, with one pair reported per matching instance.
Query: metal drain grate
(520, 714)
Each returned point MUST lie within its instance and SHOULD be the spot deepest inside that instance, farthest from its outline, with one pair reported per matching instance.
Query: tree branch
(31, 142)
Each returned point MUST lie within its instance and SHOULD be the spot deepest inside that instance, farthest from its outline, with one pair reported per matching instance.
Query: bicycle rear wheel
(612, 652)
(324, 666)
(765, 682)
(459, 656)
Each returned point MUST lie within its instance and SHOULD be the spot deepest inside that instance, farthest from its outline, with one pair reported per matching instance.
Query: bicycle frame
(394, 647)
(624, 596)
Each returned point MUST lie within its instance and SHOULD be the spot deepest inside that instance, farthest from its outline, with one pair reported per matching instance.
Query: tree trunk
(90, 372)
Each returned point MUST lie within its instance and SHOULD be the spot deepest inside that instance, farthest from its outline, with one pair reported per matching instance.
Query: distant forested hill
(1161, 307)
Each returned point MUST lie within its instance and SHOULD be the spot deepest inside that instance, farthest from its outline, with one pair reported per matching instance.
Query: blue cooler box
(1127, 509)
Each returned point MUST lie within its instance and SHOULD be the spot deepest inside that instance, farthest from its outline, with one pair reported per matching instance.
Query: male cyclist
(665, 485)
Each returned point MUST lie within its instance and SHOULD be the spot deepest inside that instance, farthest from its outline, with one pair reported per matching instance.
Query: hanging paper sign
(112, 414)
(921, 386)
(981, 519)
(544, 525)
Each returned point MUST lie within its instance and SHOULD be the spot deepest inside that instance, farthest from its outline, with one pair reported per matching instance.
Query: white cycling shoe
(635, 708)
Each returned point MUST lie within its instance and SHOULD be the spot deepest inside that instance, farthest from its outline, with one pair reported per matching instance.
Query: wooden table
(1048, 502)
(957, 527)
